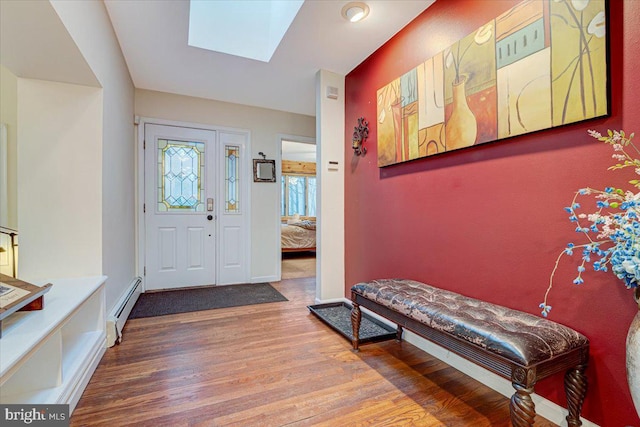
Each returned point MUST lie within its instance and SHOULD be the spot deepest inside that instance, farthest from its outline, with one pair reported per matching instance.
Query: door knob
(209, 217)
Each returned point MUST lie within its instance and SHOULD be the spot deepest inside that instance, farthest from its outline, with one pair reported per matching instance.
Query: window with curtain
(298, 195)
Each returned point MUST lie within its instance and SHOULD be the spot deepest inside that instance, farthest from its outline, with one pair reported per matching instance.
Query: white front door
(180, 206)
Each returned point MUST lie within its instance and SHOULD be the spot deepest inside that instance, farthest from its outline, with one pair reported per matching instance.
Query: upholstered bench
(518, 346)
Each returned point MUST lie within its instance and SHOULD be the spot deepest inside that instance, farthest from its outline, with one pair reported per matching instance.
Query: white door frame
(296, 138)
(140, 195)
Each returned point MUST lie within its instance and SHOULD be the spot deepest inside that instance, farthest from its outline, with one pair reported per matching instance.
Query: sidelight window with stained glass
(180, 176)
(232, 174)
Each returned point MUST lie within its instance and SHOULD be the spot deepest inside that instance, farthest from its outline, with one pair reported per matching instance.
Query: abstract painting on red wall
(539, 65)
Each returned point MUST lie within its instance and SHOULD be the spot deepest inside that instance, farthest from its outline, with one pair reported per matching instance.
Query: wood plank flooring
(275, 364)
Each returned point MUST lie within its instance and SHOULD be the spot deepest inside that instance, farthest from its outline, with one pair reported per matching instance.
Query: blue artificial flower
(545, 309)
(618, 245)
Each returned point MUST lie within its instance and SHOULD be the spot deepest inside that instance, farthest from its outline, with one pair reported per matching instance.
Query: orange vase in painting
(461, 128)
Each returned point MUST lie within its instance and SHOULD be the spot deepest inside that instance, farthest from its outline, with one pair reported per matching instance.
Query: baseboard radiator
(118, 316)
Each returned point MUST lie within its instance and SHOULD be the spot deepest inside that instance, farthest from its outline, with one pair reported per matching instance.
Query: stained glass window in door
(181, 170)
(231, 177)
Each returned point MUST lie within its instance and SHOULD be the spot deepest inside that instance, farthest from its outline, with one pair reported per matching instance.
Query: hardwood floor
(275, 364)
(296, 265)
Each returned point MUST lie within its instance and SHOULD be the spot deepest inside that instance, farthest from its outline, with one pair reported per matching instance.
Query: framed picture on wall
(264, 170)
(540, 64)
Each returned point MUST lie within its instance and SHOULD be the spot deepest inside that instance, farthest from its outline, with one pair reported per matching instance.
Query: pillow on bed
(309, 225)
(295, 218)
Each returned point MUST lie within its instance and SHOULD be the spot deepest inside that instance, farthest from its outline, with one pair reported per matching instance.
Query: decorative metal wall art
(360, 135)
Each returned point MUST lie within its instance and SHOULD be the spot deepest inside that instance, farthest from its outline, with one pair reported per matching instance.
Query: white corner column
(59, 179)
(330, 178)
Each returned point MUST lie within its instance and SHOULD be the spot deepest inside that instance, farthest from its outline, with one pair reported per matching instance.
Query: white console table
(49, 355)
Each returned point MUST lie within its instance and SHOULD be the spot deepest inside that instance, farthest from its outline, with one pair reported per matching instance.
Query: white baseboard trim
(263, 279)
(332, 300)
(544, 407)
(79, 383)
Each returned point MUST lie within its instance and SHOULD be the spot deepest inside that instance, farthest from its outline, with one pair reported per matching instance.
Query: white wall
(330, 233)
(90, 27)
(265, 126)
(9, 116)
(8, 166)
(59, 179)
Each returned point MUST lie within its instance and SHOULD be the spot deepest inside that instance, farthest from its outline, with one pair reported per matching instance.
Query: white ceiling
(35, 44)
(153, 37)
(298, 151)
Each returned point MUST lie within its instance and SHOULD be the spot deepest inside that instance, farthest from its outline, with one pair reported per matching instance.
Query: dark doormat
(161, 303)
(338, 317)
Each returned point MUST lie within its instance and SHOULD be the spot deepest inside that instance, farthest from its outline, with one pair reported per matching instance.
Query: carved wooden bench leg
(399, 333)
(356, 316)
(523, 410)
(575, 386)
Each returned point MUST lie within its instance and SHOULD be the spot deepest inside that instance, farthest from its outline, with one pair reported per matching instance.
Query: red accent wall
(488, 221)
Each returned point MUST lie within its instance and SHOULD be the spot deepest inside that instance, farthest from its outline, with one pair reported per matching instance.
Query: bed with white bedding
(298, 236)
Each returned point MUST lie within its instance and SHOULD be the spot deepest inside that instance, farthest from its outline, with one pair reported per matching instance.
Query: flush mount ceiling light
(355, 11)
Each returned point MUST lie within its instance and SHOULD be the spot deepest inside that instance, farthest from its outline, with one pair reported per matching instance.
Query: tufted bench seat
(518, 346)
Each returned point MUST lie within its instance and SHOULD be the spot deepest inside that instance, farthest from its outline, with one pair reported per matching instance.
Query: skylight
(251, 29)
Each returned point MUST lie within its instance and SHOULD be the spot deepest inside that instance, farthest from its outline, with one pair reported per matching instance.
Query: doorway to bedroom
(298, 198)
